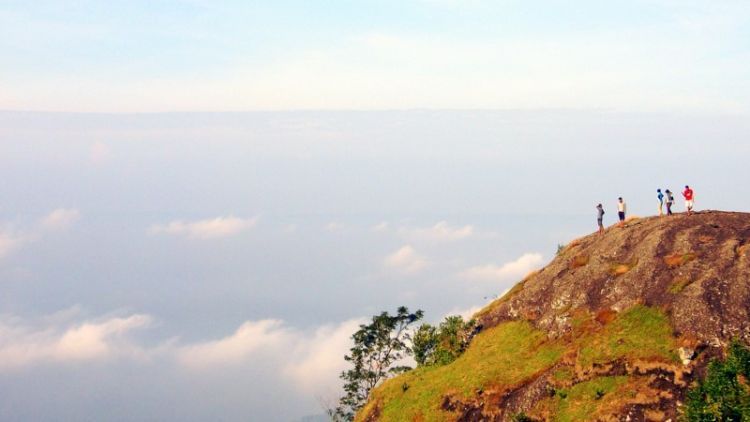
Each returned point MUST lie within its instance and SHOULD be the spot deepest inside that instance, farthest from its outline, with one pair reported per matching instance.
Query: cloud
(382, 226)
(23, 345)
(310, 359)
(406, 260)
(249, 337)
(319, 358)
(12, 238)
(441, 231)
(60, 219)
(206, 229)
(465, 313)
(510, 270)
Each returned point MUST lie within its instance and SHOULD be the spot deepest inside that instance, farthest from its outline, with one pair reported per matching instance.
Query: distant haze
(195, 266)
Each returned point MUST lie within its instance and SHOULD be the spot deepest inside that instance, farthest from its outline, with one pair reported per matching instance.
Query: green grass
(638, 333)
(583, 400)
(502, 356)
(564, 374)
(513, 352)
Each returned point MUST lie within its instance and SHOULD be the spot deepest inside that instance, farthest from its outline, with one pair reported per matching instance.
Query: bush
(443, 344)
(724, 394)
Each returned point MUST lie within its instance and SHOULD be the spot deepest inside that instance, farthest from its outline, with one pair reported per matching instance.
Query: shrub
(724, 394)
(443, 344)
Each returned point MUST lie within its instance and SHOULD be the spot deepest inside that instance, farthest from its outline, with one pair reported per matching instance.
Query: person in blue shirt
(661, 201)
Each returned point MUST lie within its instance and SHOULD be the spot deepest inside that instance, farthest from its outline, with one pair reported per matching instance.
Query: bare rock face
(696, 268)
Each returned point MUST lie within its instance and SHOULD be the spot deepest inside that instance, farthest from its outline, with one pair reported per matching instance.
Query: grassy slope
(513, 352)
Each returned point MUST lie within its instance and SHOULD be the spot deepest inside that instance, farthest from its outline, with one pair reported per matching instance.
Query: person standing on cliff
(660, 196)
(621, 208)
(600, 218)
(670, 201)
(688, 194)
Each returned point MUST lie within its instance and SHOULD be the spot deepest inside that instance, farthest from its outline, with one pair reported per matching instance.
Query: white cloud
(206, 229)
(382, 226)
(311, 359)
(319, 358)
(406, 260)
(12, 238)
(465, 313)
(510, 270)
(60, 219)
(23, 345)
(441, 231)
(249, 337)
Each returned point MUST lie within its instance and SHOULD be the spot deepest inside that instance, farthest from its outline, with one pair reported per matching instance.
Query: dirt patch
(605, 316)
(677, 259)
(578, 261)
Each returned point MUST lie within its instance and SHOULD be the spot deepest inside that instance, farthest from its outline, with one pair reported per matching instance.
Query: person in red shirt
(688, 194)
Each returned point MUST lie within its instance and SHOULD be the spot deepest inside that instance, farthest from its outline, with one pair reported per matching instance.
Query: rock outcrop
(616, 327)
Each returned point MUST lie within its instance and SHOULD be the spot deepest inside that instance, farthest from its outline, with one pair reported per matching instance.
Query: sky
(200, 201)
(195, 55)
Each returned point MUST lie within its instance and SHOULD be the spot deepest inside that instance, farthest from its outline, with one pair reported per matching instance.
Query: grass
(505, 356)
(502, 356)
(564, 374)
(675, 260)
(581, 402)
(638, 333)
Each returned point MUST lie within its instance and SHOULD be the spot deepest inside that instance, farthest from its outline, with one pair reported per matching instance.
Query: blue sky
(200, 201)
(219, 56)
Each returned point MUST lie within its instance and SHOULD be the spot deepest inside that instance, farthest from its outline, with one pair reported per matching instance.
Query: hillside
(616, 327)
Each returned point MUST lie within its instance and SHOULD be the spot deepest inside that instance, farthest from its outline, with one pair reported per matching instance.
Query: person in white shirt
(621, 208)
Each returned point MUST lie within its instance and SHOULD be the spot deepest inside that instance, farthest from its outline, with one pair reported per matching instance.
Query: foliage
(377, 347)
(443, 344)
(724, 395)
(560, 249)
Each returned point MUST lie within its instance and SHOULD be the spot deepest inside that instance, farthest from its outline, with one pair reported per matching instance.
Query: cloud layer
(508, 271)
(309, 359)
(205, 229)
(12, 237)
(23, 345)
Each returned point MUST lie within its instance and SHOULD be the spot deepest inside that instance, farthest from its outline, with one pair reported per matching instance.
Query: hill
(616, 327)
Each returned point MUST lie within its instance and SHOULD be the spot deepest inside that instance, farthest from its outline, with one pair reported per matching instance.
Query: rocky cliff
(616, 327)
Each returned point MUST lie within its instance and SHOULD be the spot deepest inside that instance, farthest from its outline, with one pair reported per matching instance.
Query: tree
(377, 347)
(724, 395)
